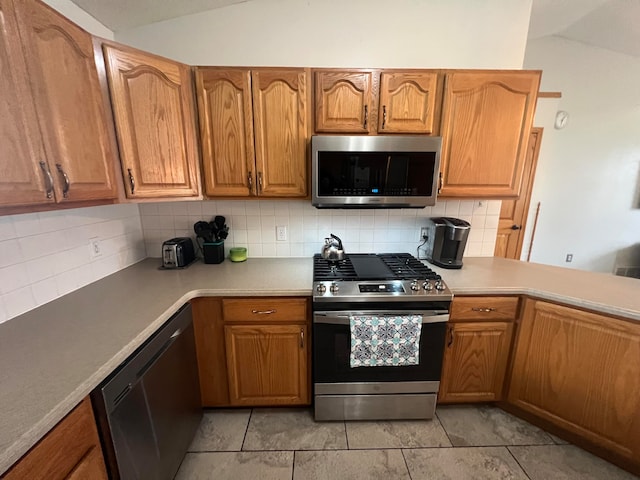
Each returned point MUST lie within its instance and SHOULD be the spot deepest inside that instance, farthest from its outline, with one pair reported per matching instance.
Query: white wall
(253, 225)
(46, 255)
(338, 33)
(588, 180)
(82, 18)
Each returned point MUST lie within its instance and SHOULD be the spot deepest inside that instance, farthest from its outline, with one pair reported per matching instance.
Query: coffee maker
(446, 239)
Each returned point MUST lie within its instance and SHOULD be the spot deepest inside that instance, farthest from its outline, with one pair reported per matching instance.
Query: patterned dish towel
(385, 341)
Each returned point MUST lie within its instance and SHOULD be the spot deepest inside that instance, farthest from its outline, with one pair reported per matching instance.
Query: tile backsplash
(46, 255)
(252, 224)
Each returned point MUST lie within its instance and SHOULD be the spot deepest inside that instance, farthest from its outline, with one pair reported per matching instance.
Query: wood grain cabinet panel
(407, 102)
(267, 364)
(280, 118)
(70, 451)
(71, 111)
(580, 371)
(254, 126)
(226, 130)
(265, 309)
(484, 308)
(344, 101)
(486, 121)
(475, 361)
(24, 180)
(154, 113)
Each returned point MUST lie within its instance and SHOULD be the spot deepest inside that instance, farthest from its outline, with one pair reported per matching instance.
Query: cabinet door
(343, 101)
(475, 361)
(581, 371)
(281, 125)
(407, 102)
(69, 451)
(71, 110)
(267, 364)
(226, 131)
(486, 121)
(152, 99)
(25, 176)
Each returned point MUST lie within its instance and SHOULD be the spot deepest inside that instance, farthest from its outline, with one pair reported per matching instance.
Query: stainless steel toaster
(177, 252)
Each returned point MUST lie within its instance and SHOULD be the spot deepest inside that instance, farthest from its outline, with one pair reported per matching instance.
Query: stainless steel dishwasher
(149, 409)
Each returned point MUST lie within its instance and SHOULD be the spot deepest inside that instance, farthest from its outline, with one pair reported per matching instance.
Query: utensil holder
(213, 252)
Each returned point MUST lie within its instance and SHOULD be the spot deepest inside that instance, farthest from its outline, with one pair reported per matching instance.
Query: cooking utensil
(332, 249)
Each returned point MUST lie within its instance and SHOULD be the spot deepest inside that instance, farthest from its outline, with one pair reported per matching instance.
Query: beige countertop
(53, 356)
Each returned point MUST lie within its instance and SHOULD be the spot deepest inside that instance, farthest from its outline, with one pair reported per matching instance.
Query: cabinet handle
(250, 180)
(450, 342)
(264, 312)
(366, 116)
(259, 183)
(302, 338)
(484, 310)
(48, 179)
(440, 182)
(65, 181)
(384, 116)
(132, 182)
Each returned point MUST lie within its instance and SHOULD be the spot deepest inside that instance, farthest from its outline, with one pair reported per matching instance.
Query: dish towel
(385, 341)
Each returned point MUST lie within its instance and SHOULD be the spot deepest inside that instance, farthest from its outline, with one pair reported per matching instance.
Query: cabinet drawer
(484, 308)
(264, 310)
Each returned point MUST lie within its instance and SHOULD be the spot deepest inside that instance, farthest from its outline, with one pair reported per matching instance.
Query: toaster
(177, 252)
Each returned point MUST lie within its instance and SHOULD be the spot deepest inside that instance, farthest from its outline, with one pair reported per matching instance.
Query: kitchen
(119, 225)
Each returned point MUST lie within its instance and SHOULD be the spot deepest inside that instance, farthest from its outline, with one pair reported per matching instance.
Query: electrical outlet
(423, 233)
(281, 233)
(95, 248)
(569, 258)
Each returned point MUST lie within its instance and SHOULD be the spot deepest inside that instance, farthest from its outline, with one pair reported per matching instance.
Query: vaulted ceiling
(610, 24)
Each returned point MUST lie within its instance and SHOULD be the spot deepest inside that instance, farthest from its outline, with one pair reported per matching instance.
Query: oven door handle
(342, 318)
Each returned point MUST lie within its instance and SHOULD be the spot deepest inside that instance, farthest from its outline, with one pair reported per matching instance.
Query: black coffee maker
(446, 239)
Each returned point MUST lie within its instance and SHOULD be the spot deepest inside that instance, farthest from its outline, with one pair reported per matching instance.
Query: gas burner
(364, 276)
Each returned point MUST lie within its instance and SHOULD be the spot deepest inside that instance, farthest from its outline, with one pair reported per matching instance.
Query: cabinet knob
(484, 310)
(516, 227)
(48, 179)
(259, 183)
(264, 312)
(132, 182)
(302, 338)
(65, 181)
(250, 180)
(366, 116)
(384, 116)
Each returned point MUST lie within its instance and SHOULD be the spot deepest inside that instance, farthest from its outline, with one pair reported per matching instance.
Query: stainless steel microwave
(374, 172)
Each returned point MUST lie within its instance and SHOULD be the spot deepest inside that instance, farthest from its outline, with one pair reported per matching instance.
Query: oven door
(332, 349)
(365, 393)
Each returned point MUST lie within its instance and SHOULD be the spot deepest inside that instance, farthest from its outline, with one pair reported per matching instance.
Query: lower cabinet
(253, 351)
(580, 371)
(477, 348)
(70, 451)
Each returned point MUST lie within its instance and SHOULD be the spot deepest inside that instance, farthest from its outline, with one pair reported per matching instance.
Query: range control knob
(334, 288)
(427, 285)
(321, 288)
(414, 286)
(439, 285)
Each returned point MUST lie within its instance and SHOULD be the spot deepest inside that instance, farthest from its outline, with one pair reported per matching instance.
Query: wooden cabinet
(477, 349)
(347, 101)
(486, 121)
(154, 113)
(60, 150)
(71, 450)
(254, 128)
(579, 371)
(253, 351)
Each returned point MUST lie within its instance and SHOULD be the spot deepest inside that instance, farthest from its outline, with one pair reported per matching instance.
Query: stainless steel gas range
(376, 286)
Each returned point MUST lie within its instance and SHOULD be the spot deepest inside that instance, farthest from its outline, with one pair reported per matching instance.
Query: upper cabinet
(154, 113)
(48, 73)
(407, 102)
(347, 101)
(486, 121)
(343, 101)
(254, 128)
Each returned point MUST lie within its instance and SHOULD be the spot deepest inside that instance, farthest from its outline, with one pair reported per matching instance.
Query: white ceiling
(611, 24)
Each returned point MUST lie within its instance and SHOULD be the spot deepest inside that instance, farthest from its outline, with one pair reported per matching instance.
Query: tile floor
(461, 442)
